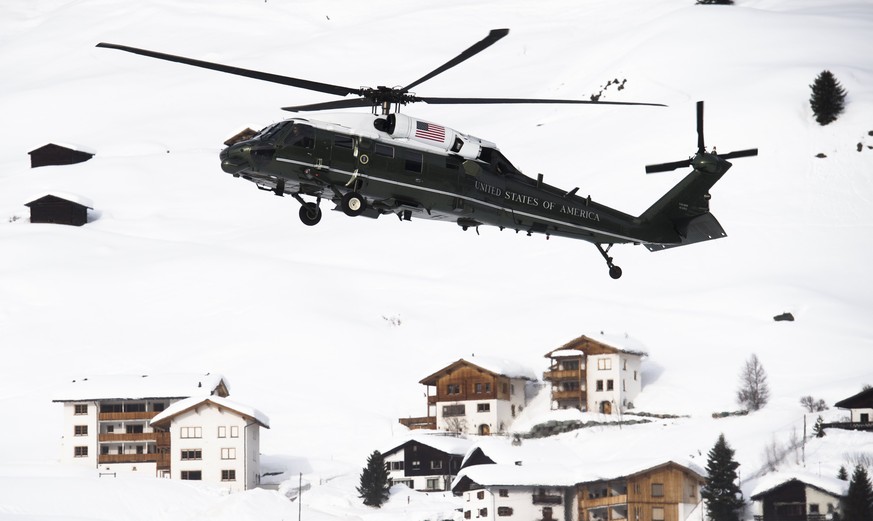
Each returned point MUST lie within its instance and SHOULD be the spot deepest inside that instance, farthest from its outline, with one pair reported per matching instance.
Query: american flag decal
(430, 131)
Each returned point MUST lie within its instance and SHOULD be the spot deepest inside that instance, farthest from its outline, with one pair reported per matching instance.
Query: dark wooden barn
(58, 210)
(53, 154)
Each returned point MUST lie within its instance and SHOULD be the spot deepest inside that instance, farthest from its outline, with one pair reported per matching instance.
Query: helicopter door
(480, 183)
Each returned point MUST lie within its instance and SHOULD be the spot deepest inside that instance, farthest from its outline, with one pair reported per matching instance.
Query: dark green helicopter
(390, 163)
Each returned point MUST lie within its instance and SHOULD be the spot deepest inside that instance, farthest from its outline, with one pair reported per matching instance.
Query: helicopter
(384, 162)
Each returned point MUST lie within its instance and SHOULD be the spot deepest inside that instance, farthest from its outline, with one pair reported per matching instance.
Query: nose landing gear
(310, 213)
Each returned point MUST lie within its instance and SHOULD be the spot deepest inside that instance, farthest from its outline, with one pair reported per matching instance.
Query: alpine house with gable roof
(600, 374)
(481, 395)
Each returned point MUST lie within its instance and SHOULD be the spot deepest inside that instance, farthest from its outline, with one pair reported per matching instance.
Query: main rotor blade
(489, 101)
(700, 147)
(666, 167)
(740, 153)
(330, 105)
(475, 49)
(265, 76)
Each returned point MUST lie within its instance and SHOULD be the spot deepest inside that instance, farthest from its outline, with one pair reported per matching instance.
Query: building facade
(213, 439)
(479, 396)
(106, 420)
(799, 499)
(667, 492)
(593, 375)
(426, 462)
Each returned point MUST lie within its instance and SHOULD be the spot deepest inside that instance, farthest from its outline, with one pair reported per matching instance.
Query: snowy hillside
(328, 329)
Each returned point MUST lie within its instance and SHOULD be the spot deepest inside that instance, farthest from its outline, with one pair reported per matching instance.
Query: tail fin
(681, 216)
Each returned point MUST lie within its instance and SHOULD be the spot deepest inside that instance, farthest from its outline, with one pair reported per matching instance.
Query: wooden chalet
(592, 375)
(485, 395)
(797, 499)
(667, 492)
(860, 407)
(59, 209)
(52, 154)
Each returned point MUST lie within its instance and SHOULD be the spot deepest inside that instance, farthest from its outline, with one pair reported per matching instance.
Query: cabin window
(193, 475)
(81, 408)
(234, 431)
(453, 163)
(301, 136)
(483, 407)
(478, 388)
(657, 513)
(503, 492)
(416, 465)
(436, 465)
(504, 511)
(610, 385)
(570, 365)
(384, 150)
(412, 161)
(222, 432)
(453, 389)
(599, 385)
(158, 407)
(395, 465)
(228, 475)
(111, 407)
(80, 430)
(466, 514)
(433, 484)
(658, 490)
(813, 508)
(80, 452)
(480, 494)
(604, 364)
(192, 454)
(343, 142)
(483, 512)
(228, 453)
(453, 410)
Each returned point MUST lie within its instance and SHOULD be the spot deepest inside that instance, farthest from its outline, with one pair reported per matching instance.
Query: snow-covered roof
(587, 463)
(439, 441)
(622, 343)
(67, 196)
(532, 475)
(141, 387)
(195, 401)
(64, 144)
(496, 365)
(834, 486)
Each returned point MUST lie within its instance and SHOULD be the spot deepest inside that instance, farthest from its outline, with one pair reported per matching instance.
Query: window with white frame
(228, 475)
(192, 454)
(222, 431)
(191, 432)
(234, 431)
(80, 430)
(228, 453)
(604, 364)
(80, 408)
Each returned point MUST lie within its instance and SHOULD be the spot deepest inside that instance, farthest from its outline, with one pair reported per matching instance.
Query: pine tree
(754, 392)
(859, 500)
(818, 429)
(843, 474)
(828, 98)
(374, 481)
(721, 494)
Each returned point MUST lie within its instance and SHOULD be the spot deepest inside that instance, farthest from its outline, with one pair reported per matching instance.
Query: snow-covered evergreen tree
(721, 493)
(374, 481)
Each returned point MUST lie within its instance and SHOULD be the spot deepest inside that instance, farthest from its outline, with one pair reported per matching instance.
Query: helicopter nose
(234, 159)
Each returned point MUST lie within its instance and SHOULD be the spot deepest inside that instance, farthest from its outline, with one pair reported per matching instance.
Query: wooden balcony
(576, 394)
(126, 416)
(422, 422)
(557, 375)
(432, 400)
(121, 437)
(130, 458)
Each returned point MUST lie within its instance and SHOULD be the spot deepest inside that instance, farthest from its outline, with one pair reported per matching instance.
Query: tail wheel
(353, 204)
(310, 214)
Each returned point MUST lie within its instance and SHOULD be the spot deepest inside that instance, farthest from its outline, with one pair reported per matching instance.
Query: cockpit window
(300, 135)
(270, 131)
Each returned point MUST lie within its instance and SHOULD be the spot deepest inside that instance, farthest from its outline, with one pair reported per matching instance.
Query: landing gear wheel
(353, 204)
(310, 214)
(614, 272)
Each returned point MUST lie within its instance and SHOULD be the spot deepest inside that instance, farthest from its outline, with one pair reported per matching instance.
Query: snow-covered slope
(327, 330)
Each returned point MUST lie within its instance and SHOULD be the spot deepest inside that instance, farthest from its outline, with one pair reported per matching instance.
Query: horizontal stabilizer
(704, 227)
